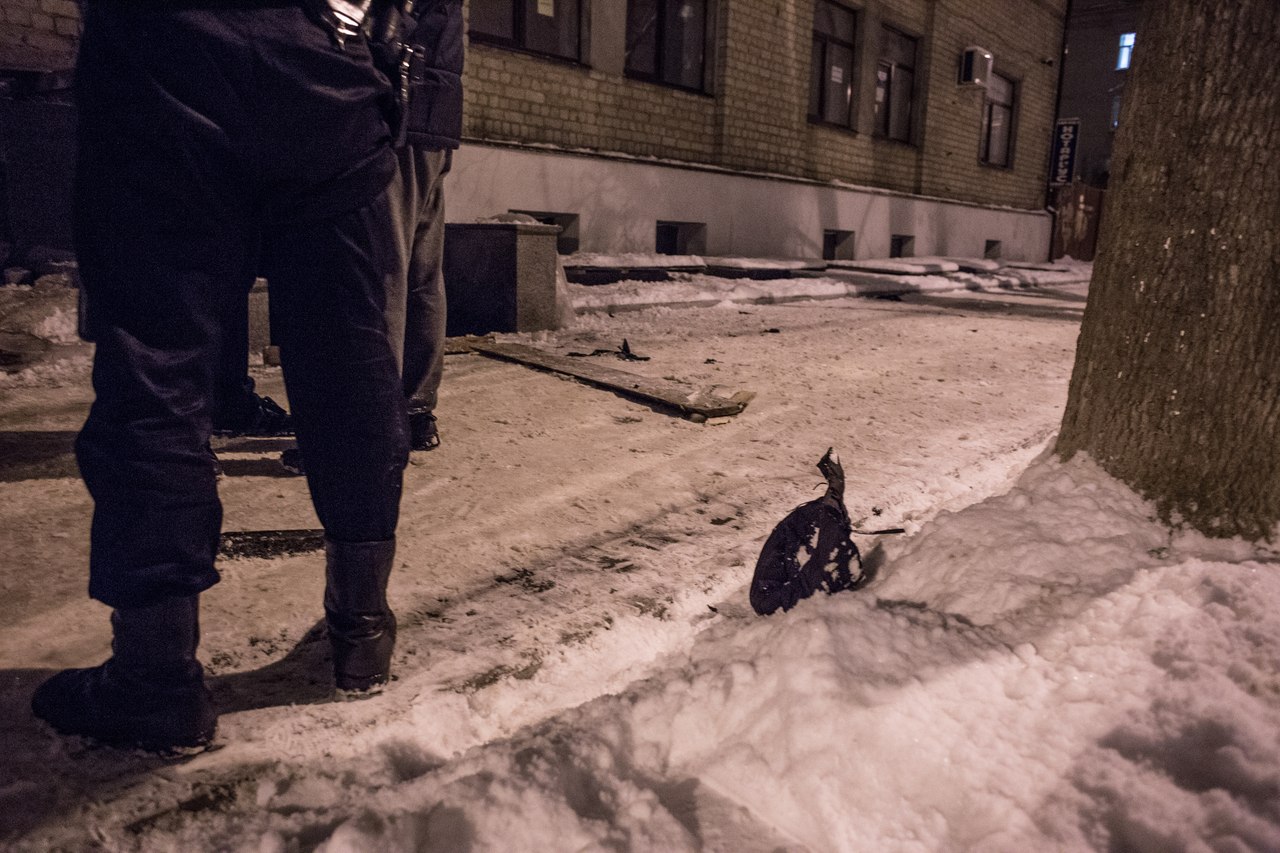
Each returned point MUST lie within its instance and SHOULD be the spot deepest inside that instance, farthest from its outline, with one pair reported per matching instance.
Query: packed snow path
(559, 546)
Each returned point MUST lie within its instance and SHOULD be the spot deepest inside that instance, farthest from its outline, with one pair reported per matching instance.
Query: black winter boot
(362, 629)
(150, 694)
(424, 432)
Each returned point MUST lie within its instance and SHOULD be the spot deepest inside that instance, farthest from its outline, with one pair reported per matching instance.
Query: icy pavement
(578, 666)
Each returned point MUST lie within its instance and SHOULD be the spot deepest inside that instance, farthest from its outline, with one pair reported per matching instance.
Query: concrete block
(500, 277)
(259, 319)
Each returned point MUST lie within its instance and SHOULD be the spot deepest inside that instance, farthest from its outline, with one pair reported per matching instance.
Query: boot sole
(168, 747)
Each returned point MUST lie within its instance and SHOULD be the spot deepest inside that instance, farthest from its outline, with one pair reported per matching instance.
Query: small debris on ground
(623, 352)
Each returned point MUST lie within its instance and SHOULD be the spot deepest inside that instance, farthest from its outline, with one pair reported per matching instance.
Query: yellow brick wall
(1026, 48)
(38, 34)
(517, 97)
(756, 117)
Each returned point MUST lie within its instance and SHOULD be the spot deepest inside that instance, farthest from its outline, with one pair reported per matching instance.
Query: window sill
(830, 125)
(498, 44)
(653, 81)
(905, 143)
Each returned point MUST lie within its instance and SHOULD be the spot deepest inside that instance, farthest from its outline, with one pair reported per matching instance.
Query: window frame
(519, 40)
(884, 126)
(660, 76)
(988, 106)
(822, 42)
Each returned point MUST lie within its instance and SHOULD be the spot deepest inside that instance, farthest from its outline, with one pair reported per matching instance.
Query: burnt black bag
(810, 550)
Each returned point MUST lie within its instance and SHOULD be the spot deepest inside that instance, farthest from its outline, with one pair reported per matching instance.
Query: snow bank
(699, 289)
(631, 260)
(42, 319)
(1048, 669)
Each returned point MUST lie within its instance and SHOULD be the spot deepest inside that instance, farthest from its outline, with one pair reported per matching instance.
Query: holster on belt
(402, 63)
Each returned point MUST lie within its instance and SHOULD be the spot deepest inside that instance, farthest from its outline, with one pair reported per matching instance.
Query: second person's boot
(362, 628)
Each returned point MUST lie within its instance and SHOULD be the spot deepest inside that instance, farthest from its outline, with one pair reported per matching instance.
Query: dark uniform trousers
(416, 314)
(220, 140)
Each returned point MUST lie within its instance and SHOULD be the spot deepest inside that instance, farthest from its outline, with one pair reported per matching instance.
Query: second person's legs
(416, 310)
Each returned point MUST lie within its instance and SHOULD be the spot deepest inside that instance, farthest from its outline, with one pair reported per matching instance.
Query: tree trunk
(1176, 388)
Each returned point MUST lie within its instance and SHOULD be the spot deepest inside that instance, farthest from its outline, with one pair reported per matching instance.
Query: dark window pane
(551, 26)
(900, 89)
(493, 18)
(838, 77)
(883, 74)
(997, 122)
(1001, 124)
(984, 141)
(683, 42)
(832, 20)
(819, 62)
(642, 37)
(1000, 90)
(897, 48)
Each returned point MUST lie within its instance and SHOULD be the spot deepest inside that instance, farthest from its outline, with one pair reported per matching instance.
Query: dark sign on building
(1062, 168)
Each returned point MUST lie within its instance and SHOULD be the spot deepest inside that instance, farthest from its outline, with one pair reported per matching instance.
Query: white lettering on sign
(1064, 162)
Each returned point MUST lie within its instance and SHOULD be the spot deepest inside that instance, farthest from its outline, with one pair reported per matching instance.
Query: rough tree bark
(1176, 387)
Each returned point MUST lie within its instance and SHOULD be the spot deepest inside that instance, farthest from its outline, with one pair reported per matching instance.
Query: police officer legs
(216, 137)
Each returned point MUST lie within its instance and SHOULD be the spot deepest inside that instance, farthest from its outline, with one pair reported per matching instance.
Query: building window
(667, 42)
(1115, 111)
(550, 27)
(991, 250)
(895, 84)
(997, 122)
(831, 73)
(1126, 51)
(902, 245)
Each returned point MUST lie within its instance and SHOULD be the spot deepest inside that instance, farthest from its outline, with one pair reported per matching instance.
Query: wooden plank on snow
(697, 405)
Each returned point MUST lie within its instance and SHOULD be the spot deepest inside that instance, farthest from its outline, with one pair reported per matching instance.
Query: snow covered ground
(1037, 666)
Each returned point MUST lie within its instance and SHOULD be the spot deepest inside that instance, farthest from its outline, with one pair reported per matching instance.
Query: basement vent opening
(681, 238)
(902, 246)
(837, 245)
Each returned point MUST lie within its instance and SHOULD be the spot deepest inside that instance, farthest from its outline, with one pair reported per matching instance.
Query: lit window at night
(1126, 51)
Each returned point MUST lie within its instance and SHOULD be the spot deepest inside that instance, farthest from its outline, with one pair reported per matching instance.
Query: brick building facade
(759, 107)
(840, 122)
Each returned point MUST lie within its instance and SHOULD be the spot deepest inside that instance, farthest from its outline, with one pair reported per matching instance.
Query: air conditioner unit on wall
(975, 66)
